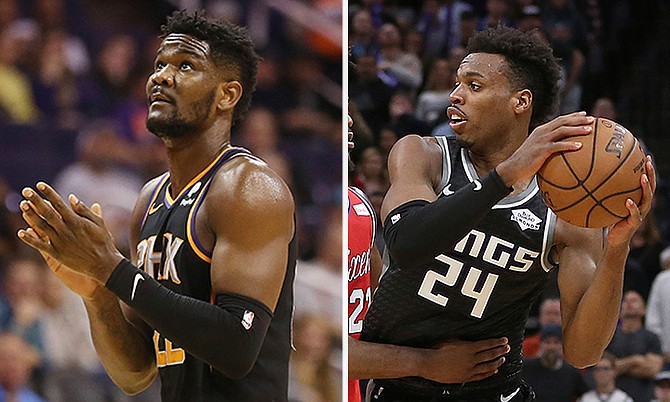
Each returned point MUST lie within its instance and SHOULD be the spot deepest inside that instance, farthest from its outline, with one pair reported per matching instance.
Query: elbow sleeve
(418, 230)
(228, 335)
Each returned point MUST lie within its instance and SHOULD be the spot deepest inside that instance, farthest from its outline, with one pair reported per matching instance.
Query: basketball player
(452, 362)
(470, 240)
(209, 288)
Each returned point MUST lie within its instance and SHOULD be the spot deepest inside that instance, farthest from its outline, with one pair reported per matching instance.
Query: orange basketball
(589, 187)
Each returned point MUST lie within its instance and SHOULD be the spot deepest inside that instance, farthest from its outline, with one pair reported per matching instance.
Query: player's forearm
(377, 360)
(227, 335)
(126, 355)
(592, 326)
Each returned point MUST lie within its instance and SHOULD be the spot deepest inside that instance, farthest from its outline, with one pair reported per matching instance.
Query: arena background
(72, 111)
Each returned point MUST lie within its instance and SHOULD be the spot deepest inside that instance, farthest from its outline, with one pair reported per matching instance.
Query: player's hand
(82, 285)
(455, 362)
(75, 236)
(621, 232)
(543, 142)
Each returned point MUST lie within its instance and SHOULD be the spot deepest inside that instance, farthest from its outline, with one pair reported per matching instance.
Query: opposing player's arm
(452, 362)
(417, 225)
(120, 337)
(590, 278)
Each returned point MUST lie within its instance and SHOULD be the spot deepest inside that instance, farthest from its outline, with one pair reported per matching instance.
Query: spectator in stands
(529, 18)
(434, 99)
(311, 373)
(71, 361)
(400, 68)
(572, 65)
(643, 264)
(370, 93)
(98, 176)
(260, 132)
(553, 379)
(550, 313)
(440, 24)
(468, 27)
(17, 360)
(21, 309)
(637, 350)
(604, 375)
(496, 15)
(662, 387)
(658, 307)
(371, 172)
(402, 116)
(363, 36)
(604, 107)
(16, 98)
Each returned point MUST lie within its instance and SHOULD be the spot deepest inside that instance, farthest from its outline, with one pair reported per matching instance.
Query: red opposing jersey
(361, 240)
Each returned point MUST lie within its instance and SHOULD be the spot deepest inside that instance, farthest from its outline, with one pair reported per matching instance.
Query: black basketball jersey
(481, 288)
(170, 252)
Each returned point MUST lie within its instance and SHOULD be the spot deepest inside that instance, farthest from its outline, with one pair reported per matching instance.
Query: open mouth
(456, 118)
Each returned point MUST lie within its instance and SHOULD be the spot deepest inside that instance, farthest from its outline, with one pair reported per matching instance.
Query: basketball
(589, 187)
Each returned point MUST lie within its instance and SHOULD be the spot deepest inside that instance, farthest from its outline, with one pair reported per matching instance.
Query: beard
(175, 124)
(463, 143)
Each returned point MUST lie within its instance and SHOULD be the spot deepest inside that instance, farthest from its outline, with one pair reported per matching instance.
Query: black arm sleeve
(417, 231)
(228, 335)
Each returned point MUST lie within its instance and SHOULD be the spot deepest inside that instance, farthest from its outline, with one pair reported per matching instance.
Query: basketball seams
(590, 193)
(584, 210)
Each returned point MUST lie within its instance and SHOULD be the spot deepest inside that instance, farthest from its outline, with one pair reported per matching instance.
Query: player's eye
(474, 86)
(159, 65)
(186, 66)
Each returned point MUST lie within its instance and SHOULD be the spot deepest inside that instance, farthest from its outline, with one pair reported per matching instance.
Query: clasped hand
(74, 235)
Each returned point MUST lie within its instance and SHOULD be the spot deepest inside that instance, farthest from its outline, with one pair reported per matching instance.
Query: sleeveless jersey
(481, 288)
(170, 252)
(361, 222)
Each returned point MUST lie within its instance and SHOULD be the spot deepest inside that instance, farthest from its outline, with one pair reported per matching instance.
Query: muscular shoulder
(250, 183)
(414, 156)
(247, 191)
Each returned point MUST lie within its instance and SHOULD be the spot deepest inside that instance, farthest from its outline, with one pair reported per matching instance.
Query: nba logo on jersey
(247, 319)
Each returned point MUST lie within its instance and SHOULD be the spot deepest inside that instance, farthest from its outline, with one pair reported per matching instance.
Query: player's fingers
(488, 344)
(35, 221)
(569, 131)
(494, 353)
(35, 242)
(564, 146)
(43, 207)
(634, 212)
(97, 209)
(82, 210)
(572, 119)
(490, 365)
(55, 199)
(482, 376)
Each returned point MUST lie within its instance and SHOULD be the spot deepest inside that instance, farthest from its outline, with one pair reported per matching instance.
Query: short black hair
(532, 65)
(230, 46)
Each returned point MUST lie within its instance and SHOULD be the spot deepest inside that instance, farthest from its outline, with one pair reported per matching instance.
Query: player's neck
(190, 155)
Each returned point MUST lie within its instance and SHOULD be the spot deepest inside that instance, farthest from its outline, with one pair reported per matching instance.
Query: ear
(230, 93)
(522, 101)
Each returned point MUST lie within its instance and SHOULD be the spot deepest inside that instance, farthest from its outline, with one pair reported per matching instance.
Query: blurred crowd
(72, 113)
(405, 55)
